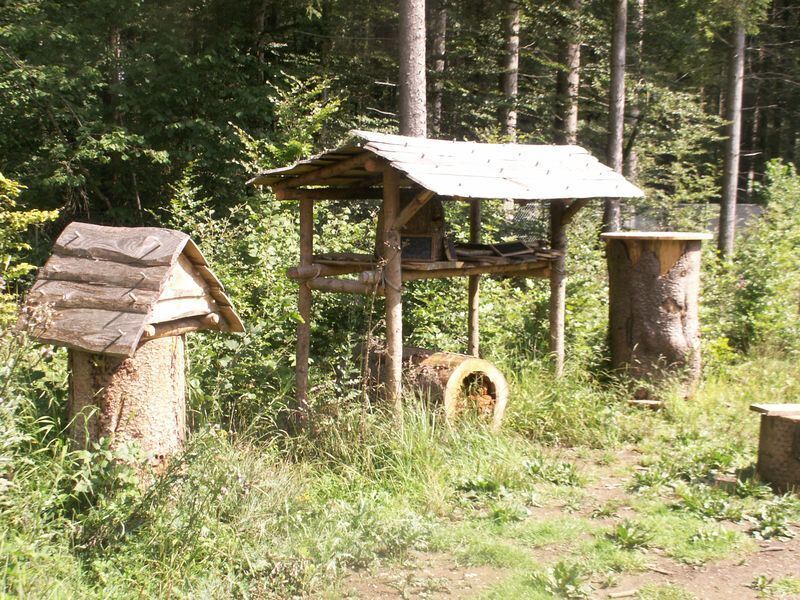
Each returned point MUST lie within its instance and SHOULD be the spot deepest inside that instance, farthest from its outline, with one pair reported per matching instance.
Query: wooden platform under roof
(411, 176)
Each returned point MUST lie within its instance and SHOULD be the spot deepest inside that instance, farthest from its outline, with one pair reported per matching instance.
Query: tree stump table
(654, 285)
(779, 445)
(122, 299)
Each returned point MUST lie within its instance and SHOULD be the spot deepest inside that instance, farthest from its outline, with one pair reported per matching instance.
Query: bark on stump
(136, 399)
(779, 451)
(654, 285)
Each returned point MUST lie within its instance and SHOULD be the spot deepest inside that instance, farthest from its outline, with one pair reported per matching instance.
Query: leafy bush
(14, 248)
(630, 535)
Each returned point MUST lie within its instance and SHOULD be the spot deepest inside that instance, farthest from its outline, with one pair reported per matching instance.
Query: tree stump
(779, 445)
(130, 399)
(654, 285)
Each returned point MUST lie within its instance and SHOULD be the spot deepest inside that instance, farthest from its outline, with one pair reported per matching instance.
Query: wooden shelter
(412, 176)
(121, 299)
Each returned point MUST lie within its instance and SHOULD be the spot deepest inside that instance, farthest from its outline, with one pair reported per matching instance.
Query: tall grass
(244, 514)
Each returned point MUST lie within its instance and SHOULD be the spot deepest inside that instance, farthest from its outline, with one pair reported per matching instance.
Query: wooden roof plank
(70, 294)
(103, 272)
(146, 246)
(94, 330)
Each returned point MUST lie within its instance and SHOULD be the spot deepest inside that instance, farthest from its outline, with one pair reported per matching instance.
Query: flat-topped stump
(654, 284)
(779, 445)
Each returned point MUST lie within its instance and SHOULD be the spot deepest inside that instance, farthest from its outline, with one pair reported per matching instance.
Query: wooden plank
(330, 193)
(184, 281)
(323, 173)
(180, 308)
(657, 235)
(94, 330)
(412, 207)
(231, 321)
(145, 246)
(775, 409)
(103, 272)
(63, 294)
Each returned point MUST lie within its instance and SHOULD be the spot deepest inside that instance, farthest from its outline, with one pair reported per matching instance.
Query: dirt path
(438, 576)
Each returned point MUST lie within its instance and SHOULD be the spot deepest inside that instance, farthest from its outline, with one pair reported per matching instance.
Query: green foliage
(566, 580)
(630, 535)
(14, 224)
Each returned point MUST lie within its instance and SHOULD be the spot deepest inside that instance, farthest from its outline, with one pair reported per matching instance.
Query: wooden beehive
(112, 287)
(121, 299)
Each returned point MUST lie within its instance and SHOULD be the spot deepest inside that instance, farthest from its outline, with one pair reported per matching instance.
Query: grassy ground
(579, 496)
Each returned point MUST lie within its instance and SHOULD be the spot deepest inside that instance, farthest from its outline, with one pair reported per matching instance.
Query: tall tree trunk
(567, 88)
(439, 54)
(568, 81)
(413, 111)
(755, 152)
(632, 159)
(730, 176)
(616, 108)
(511, 69)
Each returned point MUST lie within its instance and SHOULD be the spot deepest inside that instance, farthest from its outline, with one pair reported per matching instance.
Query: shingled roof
(469, 169)
(109, 286)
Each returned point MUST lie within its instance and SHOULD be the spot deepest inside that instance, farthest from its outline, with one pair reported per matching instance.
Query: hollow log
(459, 383)
(139, 399)
(654, 284)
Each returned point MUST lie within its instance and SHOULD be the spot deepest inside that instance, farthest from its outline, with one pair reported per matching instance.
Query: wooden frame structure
(405, 173)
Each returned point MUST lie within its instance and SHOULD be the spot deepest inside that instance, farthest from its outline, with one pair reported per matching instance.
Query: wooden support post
(558, 285)
(393, 282)
(473, 293)
(304, 307)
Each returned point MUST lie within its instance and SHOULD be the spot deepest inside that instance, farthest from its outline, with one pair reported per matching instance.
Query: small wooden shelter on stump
(654, 294)
(122, 299)
(413, 176)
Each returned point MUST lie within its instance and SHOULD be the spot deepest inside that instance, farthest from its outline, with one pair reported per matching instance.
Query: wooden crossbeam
(330, 193)
(346, 286)
(315, 270)
(323, 173)
(412, 207)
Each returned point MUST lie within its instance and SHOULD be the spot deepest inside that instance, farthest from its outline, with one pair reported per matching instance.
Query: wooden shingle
(107, 287)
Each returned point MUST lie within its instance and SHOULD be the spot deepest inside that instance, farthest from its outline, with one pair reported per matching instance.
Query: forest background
(130, 112)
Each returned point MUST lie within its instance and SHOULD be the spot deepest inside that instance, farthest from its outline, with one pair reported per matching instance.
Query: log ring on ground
(461, 383)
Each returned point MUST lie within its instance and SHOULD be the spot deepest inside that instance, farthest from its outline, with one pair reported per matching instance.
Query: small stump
(654, 285)
(779, 445)
(122, 299)
(140, 398)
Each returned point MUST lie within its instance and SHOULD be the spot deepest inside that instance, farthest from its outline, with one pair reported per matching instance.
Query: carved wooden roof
(107, 287)
(464, 169)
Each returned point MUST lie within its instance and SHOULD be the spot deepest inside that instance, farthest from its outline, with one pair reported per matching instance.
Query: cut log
(138, 399)
(779, 451)
(654, 282)
(458, 383)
